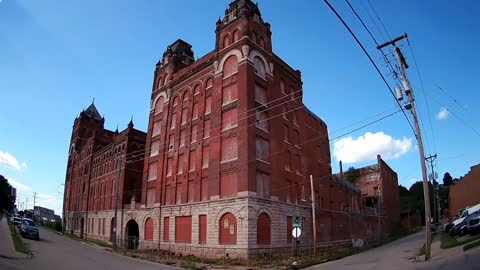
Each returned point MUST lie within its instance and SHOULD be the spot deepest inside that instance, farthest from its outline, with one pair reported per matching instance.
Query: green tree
(351, 174)
(6, 200)
(447, 179)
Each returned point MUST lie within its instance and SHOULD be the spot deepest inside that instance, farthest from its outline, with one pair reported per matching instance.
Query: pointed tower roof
(93, 112)
(130, 125)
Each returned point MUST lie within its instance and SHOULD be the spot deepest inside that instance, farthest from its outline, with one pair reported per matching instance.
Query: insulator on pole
(406, 86)
(398, 92)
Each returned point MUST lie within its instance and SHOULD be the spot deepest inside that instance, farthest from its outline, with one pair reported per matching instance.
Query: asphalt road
(401, 254)
(54, 251)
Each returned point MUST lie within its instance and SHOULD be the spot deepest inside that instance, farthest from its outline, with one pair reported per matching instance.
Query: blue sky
(56, 56)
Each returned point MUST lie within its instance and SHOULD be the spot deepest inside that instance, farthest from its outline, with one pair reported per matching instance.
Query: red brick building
(227, 156)
(465, 192)
(379, 188)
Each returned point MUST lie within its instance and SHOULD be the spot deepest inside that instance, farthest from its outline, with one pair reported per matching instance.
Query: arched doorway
(132, 234)
(82, 225)
(263, 229)
(228, 229)
(112, 225)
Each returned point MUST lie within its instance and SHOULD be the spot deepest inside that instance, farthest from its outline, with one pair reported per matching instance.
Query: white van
(467, 212)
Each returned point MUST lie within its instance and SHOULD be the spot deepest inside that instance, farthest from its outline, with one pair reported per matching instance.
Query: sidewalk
(7, 249)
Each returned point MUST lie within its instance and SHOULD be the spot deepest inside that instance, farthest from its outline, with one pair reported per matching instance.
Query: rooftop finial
(130, 125)
(93, 101)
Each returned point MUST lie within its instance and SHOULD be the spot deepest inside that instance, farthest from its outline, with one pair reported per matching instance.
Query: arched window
(259, 66)
(160, 82)
(262, 43)
(175, 101)
(282, 86)
(228, 229)
(230, 66)
(209, 83)
(235, 36)
(254, 37)
(149, 229)
(165, 79)
(159, 105)
(185, 96)
(263, 229)
(196, 90)
(226, 41)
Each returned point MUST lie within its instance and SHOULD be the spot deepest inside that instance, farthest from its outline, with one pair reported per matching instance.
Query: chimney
(341, 169)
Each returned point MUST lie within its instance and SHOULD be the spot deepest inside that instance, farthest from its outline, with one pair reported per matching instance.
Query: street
(54, 251)
(401, 254)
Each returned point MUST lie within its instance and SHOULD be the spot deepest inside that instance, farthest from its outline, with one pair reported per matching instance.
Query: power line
(371, 60)
(380, 20)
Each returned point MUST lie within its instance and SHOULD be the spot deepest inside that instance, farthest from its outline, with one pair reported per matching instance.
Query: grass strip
(471, 245)
(448, 241)
(17, 242)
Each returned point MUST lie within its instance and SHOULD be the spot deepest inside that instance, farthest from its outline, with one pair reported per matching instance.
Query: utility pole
(431, 159)
(313, 218)
(114, 236)
(34, 201)
(411, 106)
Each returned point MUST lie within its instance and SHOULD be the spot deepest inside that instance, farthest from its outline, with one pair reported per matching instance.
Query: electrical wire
(373, 63)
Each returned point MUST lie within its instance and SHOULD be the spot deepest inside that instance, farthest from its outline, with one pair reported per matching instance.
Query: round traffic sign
(296, 232)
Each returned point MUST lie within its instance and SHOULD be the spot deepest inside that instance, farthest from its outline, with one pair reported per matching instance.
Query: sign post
(296, 232)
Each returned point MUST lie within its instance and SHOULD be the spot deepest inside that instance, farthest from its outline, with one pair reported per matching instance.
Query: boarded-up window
(149, 229)
(171, 143)
(285, 133)
(193, 160)
(208, 105)
(262, 149)
(205, 157)
(229, 94)
(196, 90)
(154, 148)
(169, 166)
(202, 229)
(263, 184)
(289, 229)
(259, 66)
(181, 163)
(204, 189)
(183, 137)
(173, 123)
(229, 119)
(183, 229)
(284, 111)
(226, 41)
(228, 185)
(152, 172)
(261, 120)
(159, 105)
(209, 83)
(156, 128)
(166, 228)
(195, 111)
(206, 129)
(228, 229)
(229, 149)
(103, 226)
(230, 66)
(191, 191)
(150, 197)
(181, 193)
(263, 229)
(184, 116)
(282, 86)
(235, 36)
(287, 161)
(194, 133)
(260, 95)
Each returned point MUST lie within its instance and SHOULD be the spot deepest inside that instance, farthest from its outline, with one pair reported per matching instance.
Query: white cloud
(368, 146)
(9, 161)
(18, 185)
(443, 114)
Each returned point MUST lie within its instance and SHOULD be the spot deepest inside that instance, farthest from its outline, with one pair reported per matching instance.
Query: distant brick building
(224, 167)
(379, 190)
(465, 192)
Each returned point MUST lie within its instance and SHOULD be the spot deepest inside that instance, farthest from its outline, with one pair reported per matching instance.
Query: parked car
(464, 227)
(28, 228)
(473, 225)
(16, 219)
(465, 213)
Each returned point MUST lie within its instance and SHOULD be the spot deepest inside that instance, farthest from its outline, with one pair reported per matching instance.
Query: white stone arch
(205, 80)
(258, 54)
(225, 210)
(161, 94)
(265, 210)
(219, 65)
(186, 89)
(198, 83)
